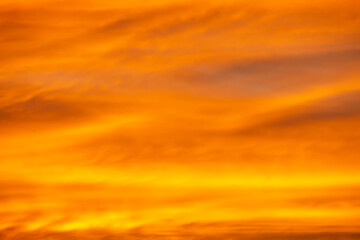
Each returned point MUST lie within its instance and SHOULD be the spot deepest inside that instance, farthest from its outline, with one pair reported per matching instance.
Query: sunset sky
(179, 120)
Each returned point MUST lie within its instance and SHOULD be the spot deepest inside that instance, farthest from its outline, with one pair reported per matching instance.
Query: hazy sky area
(179, 120)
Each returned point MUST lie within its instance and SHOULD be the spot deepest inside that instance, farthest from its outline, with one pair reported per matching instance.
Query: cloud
(179, 120)
(138, 234)
(274, 76)
(327, 111)
(343, 106)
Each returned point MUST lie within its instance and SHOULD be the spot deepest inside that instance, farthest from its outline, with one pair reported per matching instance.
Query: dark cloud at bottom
(94, 234)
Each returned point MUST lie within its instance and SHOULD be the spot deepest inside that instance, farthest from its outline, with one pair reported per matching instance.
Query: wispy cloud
(179, 120)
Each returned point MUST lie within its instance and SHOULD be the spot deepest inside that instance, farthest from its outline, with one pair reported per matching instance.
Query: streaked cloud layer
(173, 119)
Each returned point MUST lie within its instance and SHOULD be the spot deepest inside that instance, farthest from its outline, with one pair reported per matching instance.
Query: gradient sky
(165, 119)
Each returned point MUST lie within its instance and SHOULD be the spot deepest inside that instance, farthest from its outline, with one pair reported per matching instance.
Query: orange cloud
(174, 119)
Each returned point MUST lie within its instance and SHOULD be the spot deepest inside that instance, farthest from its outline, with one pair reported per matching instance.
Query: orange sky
(172, 119)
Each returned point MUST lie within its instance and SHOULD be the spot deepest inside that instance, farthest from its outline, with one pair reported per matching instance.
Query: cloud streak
(179, 120)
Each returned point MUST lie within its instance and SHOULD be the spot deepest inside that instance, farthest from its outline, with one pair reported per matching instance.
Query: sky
(179, 119)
